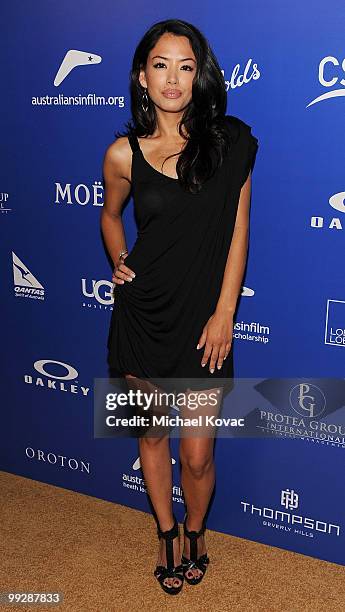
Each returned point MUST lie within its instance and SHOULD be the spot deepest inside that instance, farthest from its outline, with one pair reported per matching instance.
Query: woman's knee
(197, 464)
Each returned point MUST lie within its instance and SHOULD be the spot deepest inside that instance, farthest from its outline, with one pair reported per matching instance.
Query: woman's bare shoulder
(118, 157)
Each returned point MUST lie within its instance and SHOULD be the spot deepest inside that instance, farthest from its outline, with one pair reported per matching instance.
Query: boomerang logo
(247, 291)
(137, 464)
(72, 59)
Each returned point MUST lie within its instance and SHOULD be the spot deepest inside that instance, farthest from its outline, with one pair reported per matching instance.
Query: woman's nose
(172, 78)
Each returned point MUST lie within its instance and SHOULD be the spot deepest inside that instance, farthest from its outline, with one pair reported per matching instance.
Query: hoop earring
(146, 100)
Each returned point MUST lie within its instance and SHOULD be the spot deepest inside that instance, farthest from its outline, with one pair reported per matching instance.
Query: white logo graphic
(25, 283)
(253, 331)
(3, 203)
(60, 460)
(247, 292)
(50, 380)
(337, 201)
(335, 323)
(81, 194)
(72, 59)
(289, 499)
(71, 373)
(307, 400)
(287, 521)
(136, 465)
(136, 483)
(102, 292)
(326, 67)
(237, 80)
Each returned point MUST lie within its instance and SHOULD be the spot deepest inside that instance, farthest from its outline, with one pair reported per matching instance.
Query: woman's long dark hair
(204, 118)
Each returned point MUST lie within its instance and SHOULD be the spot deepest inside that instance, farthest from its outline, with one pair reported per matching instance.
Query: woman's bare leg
(198, 477)
(155, 459)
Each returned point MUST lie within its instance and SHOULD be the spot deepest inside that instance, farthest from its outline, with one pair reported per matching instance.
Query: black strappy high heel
(201, 563)
(161, 572)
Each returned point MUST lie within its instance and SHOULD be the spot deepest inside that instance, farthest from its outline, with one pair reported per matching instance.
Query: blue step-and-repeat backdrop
(284, 72)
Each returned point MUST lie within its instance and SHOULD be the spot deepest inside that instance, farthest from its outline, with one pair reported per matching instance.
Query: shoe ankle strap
(170, 534)
(193, 534)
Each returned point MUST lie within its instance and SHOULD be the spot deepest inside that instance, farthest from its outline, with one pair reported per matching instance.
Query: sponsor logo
(315, 420)
(335, 323)
(289, 521)
(81, 194)
(237, 79)
(73, 59)
(136, 483)
(4, 208)
(331, 76)
(61, 461)
(99, 294)
(337, 202)
(66, 380)
(26, 284)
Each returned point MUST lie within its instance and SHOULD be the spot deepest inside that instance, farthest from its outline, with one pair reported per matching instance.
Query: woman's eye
(190, 68)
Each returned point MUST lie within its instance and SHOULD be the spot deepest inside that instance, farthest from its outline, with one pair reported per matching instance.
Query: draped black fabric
(179, 258)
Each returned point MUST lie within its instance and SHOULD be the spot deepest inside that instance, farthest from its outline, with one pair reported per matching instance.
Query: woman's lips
(171, 93)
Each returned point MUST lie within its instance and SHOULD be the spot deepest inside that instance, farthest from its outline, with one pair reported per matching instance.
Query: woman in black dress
(177, 290)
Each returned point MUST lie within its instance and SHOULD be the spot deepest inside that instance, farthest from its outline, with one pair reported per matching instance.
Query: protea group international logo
(307, 400)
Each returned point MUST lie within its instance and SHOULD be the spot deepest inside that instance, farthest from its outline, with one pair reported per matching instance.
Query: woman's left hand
(217, 338)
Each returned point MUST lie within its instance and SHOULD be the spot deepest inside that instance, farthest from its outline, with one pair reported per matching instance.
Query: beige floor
(101, 556)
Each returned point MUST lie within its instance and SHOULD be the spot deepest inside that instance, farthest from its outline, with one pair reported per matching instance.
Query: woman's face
(169, 73)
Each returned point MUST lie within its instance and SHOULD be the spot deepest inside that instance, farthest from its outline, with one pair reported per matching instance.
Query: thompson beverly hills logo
(335, 323)
(331, 76)
(56, 376)
(99, 294)
(331, 221)
(26, 284)
(287, 520)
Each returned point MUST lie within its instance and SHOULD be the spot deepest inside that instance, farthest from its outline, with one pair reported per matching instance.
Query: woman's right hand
(121, 272)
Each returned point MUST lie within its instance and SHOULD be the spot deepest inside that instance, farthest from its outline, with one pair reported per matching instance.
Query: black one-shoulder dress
(179, 258)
